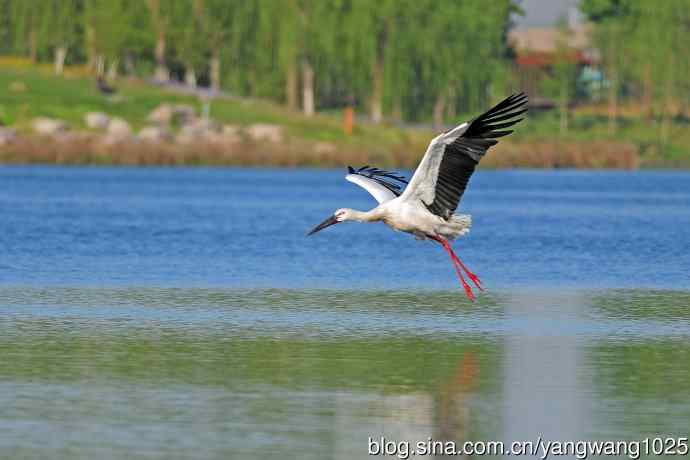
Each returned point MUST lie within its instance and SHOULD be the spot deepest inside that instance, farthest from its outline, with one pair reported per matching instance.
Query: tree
(186, 32)
(610, 17)
(59, 28)
(107, 25)
(161, 12)
(26, 21)
(561, 84)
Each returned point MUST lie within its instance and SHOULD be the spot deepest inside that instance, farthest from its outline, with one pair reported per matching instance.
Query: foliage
(396, 55)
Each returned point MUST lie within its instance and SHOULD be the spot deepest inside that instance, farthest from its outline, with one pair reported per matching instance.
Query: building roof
(545, 39)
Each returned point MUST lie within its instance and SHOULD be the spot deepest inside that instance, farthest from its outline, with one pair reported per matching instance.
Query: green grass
(645, 135)
(71, 97)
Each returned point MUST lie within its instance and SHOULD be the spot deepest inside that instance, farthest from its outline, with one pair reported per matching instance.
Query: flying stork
(427, 207)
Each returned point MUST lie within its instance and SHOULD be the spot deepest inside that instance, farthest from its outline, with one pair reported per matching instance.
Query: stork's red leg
(470, 275)
(457, 261)
(456, 266)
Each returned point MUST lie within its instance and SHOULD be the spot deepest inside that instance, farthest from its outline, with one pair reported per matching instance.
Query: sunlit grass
(28, 91)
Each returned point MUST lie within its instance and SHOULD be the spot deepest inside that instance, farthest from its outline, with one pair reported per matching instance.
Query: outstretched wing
(442, 175)
(382, 185)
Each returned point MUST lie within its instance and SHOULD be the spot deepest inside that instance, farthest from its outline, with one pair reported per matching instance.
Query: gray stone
(265, 132)
(231, 133)
(49, 126)
(198, 129)
(154, 134)
(161, 115)
(118, 131)
(7, 135)
(96, 120)
(119, 127)
(165, 113)
(184, 113)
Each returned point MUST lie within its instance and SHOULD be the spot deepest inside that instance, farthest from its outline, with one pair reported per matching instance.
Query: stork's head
(340, 215)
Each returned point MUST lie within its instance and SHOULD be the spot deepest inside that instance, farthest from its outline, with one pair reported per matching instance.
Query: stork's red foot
(457, 261)
(477, 282)
(458, 265)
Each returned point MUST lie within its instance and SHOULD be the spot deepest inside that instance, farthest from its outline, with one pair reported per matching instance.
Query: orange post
(348, 120)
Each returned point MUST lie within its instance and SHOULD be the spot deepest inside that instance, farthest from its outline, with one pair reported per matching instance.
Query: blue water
(197, 227)
(159, 313)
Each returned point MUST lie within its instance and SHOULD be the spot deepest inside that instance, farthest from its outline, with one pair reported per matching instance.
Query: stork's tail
(457, 225)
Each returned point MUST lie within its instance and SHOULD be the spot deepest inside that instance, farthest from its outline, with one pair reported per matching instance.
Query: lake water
(182, 313)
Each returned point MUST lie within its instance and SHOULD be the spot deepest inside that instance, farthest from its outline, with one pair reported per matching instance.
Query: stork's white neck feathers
(373, 215)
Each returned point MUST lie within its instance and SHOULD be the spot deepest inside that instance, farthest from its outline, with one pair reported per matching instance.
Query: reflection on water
(213, 373)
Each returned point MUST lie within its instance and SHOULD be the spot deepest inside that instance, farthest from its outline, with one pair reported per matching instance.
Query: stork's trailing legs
(457, 264)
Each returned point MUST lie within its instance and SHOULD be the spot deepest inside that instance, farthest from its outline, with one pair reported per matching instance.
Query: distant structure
(537, 50)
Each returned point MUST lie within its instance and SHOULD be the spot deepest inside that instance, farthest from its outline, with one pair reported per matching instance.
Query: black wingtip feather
(462, 155)
(495, 134)
(485, 126)
(381, 176)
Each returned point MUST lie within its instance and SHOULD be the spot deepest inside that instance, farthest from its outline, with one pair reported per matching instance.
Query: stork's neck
(373, 215)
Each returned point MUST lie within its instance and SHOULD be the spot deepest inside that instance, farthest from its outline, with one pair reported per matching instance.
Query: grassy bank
(27, 92)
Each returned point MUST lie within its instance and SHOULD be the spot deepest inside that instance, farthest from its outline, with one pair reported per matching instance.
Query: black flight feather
(461, 157)
(386, 178)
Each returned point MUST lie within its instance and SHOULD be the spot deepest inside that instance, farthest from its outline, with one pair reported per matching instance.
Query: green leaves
(397, 55)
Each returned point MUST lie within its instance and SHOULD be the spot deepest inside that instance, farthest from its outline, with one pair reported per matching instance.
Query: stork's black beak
(326, 223)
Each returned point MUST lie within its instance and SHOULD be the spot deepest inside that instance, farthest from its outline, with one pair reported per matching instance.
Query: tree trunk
(647, 89)
(396, 111)
(129, 64)
(307, 88)
(60, 55)
(33, 44)
(100, 65)
(613, 105)
(91, 48)
(613, 85)
(162, 74)
(113, 69)
(564, 106)
(214, 70)
(450, 109)
(190, 77)
(376, 102)
(291, 85)
(439, 106)
(667, 107)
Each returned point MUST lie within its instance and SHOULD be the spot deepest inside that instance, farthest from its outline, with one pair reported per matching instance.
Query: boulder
(161, 115)
(165, 113)
(265, 132)
(119, 127)
(231, 133)
(184, 113)
(197, 130)
(49, 126)
(154, 134)
(96, 120)
(118, 131)
(7, 135)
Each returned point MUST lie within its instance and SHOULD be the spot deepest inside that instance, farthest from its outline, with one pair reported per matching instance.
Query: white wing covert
(382, 185)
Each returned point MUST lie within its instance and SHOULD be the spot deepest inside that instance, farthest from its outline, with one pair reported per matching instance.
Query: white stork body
(427, 207)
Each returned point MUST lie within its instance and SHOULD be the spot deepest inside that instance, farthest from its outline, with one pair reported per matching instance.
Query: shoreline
(88, 148)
